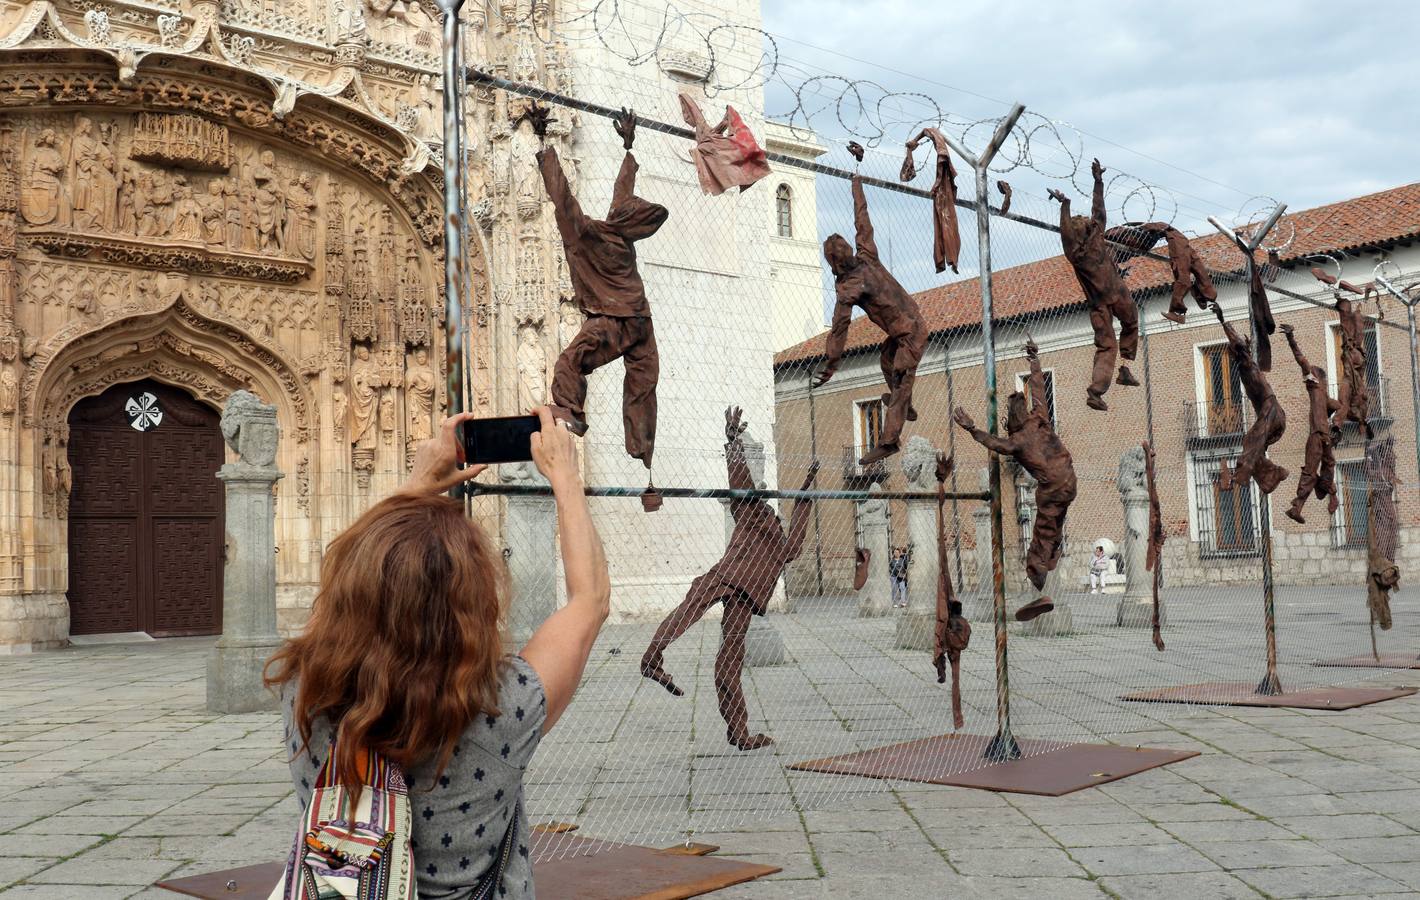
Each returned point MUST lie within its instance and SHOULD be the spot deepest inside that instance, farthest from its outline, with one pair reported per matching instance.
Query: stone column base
(1138, 612)
(763, 645)
(31, 622)
(234, 676)
(917, 630)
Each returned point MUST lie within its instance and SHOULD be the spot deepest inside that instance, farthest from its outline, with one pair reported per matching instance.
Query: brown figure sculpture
(1319, 463)
(742, 580)
(1269, 420)
(1190, 275)
(861, 280)
(1382, 530)
(1084, 243)
(946, 236)
(1032, 442)
(1156, 540)
(601, 255)
(1005, 188)
(1354, 389)
(953, 631)
(725, 156)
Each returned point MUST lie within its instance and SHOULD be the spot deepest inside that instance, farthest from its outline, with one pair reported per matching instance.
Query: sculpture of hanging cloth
(725, 156)
(946, 235)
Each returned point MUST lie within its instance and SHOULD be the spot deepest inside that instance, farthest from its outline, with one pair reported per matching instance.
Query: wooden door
(145, 513)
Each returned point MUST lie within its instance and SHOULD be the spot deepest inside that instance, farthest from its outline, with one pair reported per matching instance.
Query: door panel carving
(145, 518)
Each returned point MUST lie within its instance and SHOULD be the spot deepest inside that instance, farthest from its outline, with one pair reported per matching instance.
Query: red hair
(403, 646)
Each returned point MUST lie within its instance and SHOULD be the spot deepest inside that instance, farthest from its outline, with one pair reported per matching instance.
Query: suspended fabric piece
(946, 235)
(725, 156)
(1189, 272)
(953, 632)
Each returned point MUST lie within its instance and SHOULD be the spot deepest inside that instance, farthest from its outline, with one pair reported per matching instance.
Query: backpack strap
(491, 879)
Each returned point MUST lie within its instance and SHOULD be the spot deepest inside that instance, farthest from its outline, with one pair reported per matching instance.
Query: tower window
(784, 211)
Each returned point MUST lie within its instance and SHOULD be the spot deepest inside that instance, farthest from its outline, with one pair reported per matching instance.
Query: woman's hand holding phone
(437, 460)
(554, 452)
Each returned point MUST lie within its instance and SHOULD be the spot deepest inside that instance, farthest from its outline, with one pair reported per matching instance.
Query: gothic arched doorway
(146, 527)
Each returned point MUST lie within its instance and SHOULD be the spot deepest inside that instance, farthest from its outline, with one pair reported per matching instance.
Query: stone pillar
(249, 573)
(530, 545)
(916, 627)
(763, 644)
(875, 599)
(980, 607)
(1136, 607)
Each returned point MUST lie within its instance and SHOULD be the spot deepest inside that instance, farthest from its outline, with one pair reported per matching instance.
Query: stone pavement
(113, 775)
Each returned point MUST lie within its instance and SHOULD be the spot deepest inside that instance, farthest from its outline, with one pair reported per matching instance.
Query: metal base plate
(1386, 661)
(1049, 769)
(564, 865)
(1225, 693)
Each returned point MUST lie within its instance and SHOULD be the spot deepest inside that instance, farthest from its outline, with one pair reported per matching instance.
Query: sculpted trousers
(899, 359)
(705, 592)
(1046, 537)
(1252, 462)
(1318, 469)
(604, 339)
(1107, 347)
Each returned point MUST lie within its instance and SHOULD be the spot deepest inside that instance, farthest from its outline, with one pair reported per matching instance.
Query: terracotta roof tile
(1049, 284)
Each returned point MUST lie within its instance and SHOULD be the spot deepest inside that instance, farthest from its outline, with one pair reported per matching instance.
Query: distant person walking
(897, 571)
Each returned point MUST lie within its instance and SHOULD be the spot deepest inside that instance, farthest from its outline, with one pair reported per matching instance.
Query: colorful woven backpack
(367, 858)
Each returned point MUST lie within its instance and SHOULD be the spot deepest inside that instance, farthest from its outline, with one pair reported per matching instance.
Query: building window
(870, 424)
(1350, 524)
(1049, 391)
(1222, 410)
(1373, 366)
(1227, 520)
(784, 211)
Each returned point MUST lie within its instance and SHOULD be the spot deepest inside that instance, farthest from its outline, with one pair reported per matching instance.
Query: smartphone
(502, 439)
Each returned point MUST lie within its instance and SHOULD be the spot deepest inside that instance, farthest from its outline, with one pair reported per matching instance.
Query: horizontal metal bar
(543, 490)
(476, 76)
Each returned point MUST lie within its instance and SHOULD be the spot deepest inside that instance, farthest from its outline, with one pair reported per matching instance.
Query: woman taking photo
(402, 657)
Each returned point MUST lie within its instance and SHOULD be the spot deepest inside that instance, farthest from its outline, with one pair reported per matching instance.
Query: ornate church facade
(198, 197)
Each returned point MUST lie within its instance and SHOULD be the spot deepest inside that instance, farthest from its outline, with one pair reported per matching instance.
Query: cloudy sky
(1308, 102)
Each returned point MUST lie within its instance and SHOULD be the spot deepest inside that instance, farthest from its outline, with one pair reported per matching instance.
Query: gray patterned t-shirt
(460, 817)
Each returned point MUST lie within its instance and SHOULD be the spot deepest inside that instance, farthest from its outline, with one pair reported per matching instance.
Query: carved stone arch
(370, 149)
(176, 344)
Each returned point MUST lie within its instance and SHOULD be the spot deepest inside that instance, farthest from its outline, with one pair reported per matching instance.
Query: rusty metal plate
(1050, 769)
(564, 866)
(1384, 661)
(1224, 693)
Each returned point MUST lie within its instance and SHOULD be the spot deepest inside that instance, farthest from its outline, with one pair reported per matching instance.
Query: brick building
(1197, 410)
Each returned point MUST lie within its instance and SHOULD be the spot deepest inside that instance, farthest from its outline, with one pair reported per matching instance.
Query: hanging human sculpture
(743, 581)
(1318, 474)
(1269, 420)
(1383, 576)
(1190, 275)
(726, 156)
(601, 256)
(1005, 188)
(1083, 240)
(1155, 551)
(953, 631)
(861, 280)
(1032, 442)
(946, 236)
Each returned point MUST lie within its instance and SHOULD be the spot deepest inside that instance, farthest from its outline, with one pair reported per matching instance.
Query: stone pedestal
(1136, 606)
(916, 627)
(763, 644)
(979, 606)
(530, 541)
(875, 599)
(249, 573)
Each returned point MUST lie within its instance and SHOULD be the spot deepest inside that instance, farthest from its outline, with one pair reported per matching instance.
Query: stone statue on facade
(249, 427)
(42, 199)
(420, 384)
